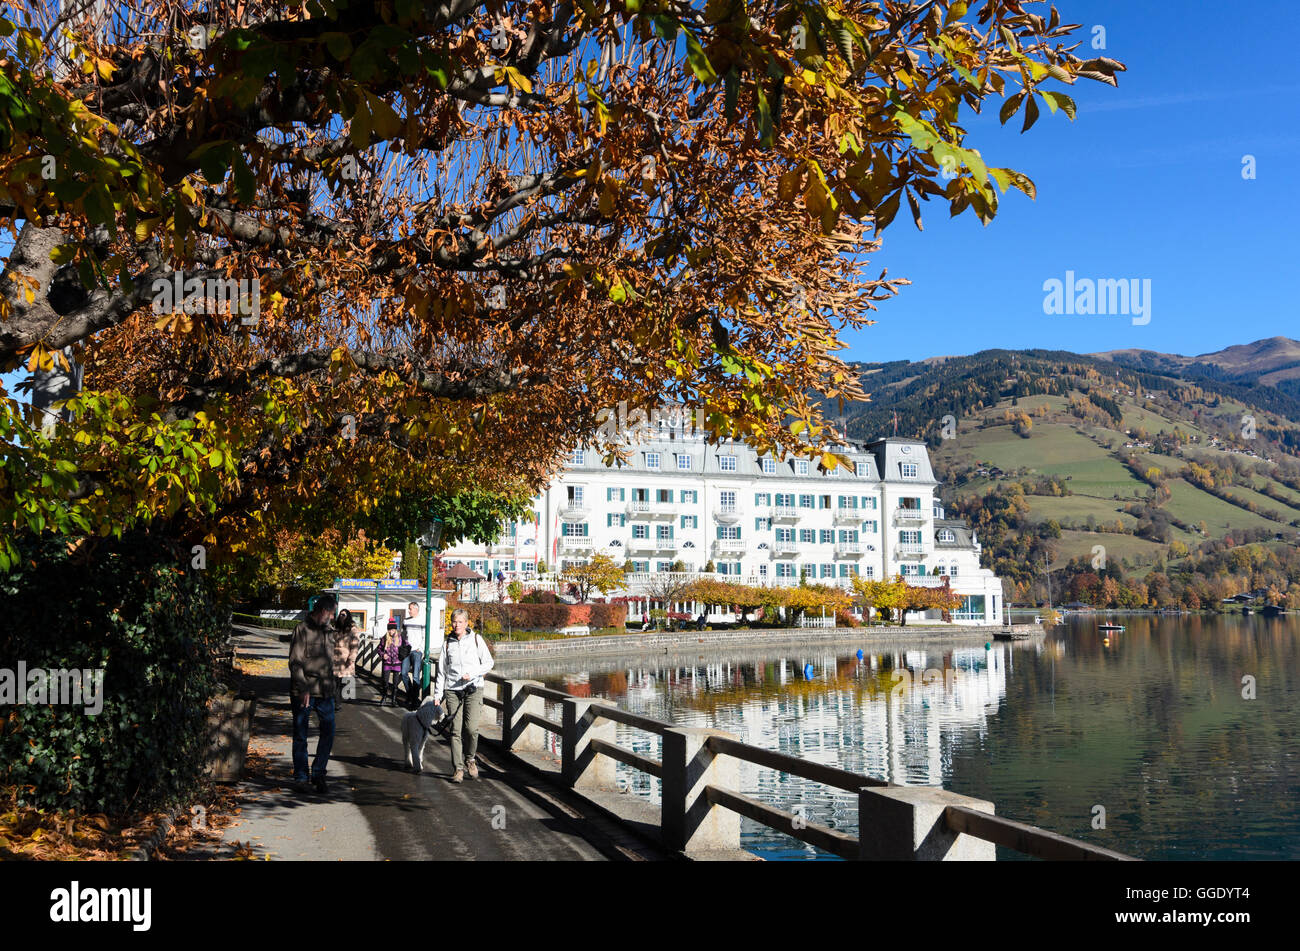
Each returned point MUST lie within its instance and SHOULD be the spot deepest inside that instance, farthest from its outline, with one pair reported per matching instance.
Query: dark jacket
(311, 659)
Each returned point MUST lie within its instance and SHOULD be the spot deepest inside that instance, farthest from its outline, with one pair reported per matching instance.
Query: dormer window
(947, 535)
(801, 467)
(727, 463)
(578, 457)
(652, 460)
(769, 467)
(909, 470)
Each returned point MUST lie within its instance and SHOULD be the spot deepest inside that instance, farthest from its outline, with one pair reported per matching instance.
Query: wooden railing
(701, 805)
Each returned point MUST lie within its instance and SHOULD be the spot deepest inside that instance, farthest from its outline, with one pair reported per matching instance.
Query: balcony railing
(910, 548)
(909, 515)
(729, 544)
(648, 507)
(784, 511)
(574, 510)
(848, 548)
(575, 543)
(846, 513)
(726, 512)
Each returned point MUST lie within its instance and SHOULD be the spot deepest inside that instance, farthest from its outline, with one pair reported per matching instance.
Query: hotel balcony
(784, 548)
(651, 544)
(847, 513)
(910, 550)
(574, 510)
(726, 513)
(729, 545)
(784, 511)
(647, 507)
(575, 543)
(847, 549)
(910, 515)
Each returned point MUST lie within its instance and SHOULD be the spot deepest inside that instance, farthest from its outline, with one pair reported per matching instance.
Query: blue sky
(1145, 183)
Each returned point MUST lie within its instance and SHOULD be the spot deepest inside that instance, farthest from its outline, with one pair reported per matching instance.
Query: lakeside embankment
(660, 641)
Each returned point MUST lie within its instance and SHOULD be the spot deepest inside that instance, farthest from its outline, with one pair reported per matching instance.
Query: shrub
(135, 609)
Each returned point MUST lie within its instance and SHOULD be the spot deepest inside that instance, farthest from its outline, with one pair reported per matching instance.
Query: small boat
(1110, 627)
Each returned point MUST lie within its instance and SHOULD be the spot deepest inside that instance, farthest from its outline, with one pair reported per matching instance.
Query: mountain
(1159, 461)
(1272, 362)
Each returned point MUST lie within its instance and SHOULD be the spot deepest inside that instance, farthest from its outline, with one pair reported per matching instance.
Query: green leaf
(339, 45)
(732, 88)
(700, 64)
(245, 183)
(764, 119)
(1060, 100)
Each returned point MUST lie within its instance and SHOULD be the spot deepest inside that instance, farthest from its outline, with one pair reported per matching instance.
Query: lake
(1178, 739)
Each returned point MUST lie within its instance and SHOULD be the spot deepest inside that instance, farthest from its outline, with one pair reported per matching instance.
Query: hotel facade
(680, 504)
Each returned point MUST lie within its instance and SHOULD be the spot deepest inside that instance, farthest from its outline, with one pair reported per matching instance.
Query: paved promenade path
(376, 809)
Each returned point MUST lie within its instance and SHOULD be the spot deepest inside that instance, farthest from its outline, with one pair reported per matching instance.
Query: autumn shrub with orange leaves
(472, 228)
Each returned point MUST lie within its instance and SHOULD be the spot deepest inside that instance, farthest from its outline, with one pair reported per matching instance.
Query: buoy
(808, 671)
(988, 646)
(859, 653)
(1105, 641)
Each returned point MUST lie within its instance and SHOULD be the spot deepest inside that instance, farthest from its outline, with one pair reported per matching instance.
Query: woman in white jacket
(462, 662)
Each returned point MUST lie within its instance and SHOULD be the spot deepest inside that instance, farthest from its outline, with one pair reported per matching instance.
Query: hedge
(550, 616)
(135, 609)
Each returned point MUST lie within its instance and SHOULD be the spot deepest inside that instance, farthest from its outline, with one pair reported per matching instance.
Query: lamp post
(429, 541)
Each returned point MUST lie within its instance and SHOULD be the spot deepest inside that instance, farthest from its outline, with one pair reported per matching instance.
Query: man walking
(311, 676)
(413, 663)
(462, 662)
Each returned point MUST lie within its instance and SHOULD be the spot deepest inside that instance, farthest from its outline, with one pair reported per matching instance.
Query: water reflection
(1151, 726)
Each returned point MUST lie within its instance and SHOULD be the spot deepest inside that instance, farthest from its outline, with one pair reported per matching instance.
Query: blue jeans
(324, 707)
(412, 665)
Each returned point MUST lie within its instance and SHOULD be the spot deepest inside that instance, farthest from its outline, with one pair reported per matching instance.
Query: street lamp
(429, 543)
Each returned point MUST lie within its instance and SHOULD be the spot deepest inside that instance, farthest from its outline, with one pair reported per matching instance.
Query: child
(346, 646)
(390, 654)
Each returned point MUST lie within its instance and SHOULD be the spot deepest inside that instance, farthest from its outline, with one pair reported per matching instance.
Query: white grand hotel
(757, 519)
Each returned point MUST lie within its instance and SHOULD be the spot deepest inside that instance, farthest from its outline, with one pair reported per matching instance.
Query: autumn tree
(601, 574)
(462, 229)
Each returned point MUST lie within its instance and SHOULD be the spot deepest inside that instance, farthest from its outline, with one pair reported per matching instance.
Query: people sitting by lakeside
(462, 661)
(413, 658)
(312, 687)
(390, 656)
(347, 644)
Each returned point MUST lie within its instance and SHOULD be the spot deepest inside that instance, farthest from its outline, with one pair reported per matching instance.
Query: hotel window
(807, 536)
(870, 502)
(652, 460)
(762, 571)
(640, 531)
(848, 501)
(806, 501)
(664, 533)
(574, 493)
(828, 571)
(824, 502)
(615, 520)
(574, 529)
(786, 499)
(665, 495)
(769, 467)
(784, 569)
(909, 538)
(953, 573)
(946, 535)
(727, 463)
(871, 525)
(908, 469)
(848, 570)
(848, 535)
(643, 566)
(785, 535)
(727, 498)
(613, 495)
(729, 568)
(828, 536)
(690, 496)
(910, 571)
(578, 457)
(762, 524)
(863, 469)
(801, 467)
(663, 566)
(729, 532)
(690, 521)
(868, 572)
(762, 498)
(683, 462)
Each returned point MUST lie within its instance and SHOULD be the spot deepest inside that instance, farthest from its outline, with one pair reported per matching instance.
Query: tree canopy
(316, 256)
